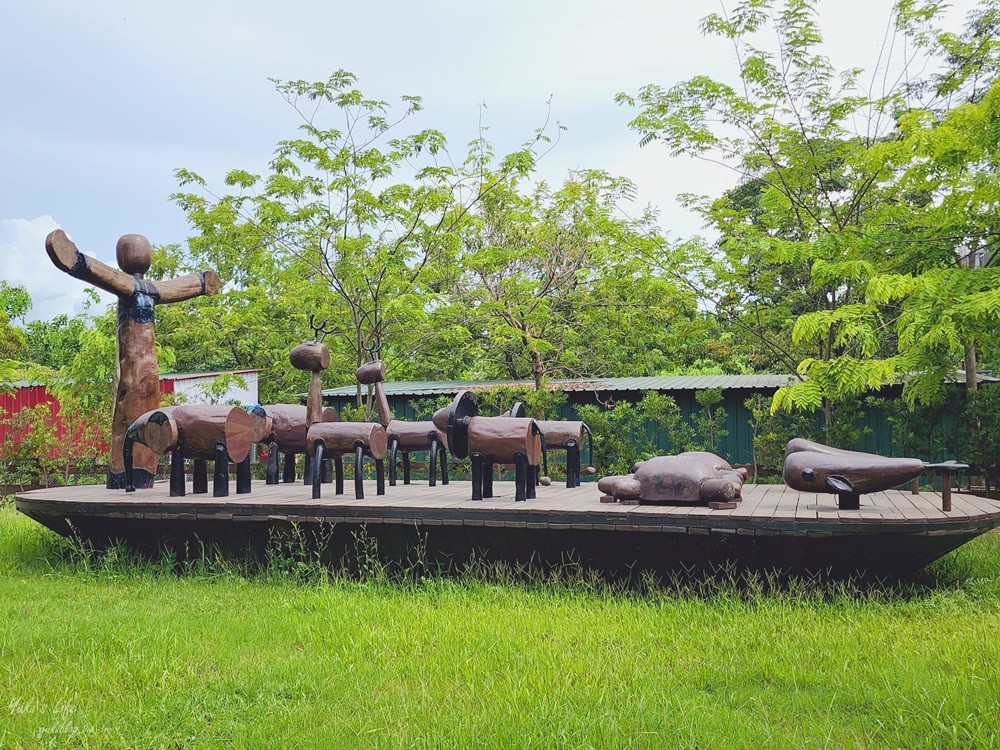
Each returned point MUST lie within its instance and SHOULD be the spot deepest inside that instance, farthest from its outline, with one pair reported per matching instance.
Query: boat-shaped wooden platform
(894, 532)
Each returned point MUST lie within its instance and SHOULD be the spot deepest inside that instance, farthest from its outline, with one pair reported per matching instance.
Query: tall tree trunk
(537, 369)
(971, 369)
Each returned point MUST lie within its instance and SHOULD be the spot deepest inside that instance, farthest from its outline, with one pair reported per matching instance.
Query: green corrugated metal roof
(661, 383)
(656, 383)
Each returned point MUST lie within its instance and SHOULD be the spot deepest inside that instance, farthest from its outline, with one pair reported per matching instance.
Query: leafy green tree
(709, 420)
(552, 282)
(333, 230)
(850, 205)
(979, 433)
(624, 431)
(14, 301)
(54, 342)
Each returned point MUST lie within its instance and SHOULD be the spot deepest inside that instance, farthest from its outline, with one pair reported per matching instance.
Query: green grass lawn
(104, 652)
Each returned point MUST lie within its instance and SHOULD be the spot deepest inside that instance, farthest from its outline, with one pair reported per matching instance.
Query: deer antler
(320, 331)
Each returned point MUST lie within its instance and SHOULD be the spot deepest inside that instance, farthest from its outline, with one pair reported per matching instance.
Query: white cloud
(22, 247)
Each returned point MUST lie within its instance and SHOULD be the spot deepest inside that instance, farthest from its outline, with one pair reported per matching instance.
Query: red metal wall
(28, 396)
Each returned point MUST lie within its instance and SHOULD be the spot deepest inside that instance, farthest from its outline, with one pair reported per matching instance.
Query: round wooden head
(134, 253)
(312, 357)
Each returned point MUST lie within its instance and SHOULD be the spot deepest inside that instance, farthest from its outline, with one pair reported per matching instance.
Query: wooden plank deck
(764, 507)
(774, 528)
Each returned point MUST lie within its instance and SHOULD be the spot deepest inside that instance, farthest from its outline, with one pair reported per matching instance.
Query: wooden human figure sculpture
(136, 384)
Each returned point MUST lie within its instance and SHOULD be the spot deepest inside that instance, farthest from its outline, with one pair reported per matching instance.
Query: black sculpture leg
(288, 471)
(221, 484)
(477, 476)
(338, 472)
(318, 475)
(444, 465)
(393, 450)
(176, 473)
(199, 477)
(572, 464)
(327, 465)
(379, 476)
(530, 472)
(272, 463)
(847, 498)
(432, 464)
(487, 479)
(406, 467)
(849, 501)
(520, 477)
(127, 456)
(359, 472)
(243, 476)
(307, 470)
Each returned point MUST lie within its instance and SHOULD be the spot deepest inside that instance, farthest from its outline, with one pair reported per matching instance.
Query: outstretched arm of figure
(66, 257)
(186, 287)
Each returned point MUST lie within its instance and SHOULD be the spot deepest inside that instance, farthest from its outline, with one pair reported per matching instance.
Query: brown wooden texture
(136, 383)
(187, 287)
(557, 434)
(289, 423)
(371, 373)
(808, 465)
(501, 437)
(156, 430)
(413, 436)
(137, 391)
(200, 427)
(690, 477)
(342, 437)
(66, 257)
(382, 404)
(134, 253)
(195, 430)
(263, 425)
(311, 357)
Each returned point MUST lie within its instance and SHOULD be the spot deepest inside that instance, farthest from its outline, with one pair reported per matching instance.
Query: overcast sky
(103, 100)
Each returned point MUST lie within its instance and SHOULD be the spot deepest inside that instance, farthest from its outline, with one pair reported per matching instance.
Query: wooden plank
(751, 501)
(805, 508)
(776, 507)
(985, 505)
(887, 504)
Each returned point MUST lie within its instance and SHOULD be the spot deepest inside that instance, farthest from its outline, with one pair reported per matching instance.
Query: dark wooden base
(893, 534)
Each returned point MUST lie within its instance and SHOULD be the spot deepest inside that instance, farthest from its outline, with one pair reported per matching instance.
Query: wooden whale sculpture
(695, 477)
(814, 467)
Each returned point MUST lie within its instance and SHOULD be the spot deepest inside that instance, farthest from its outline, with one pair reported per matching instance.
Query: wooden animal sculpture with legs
(491, 440)
(335, 439)
(405, 437)
(196, 431)
(287, 439)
